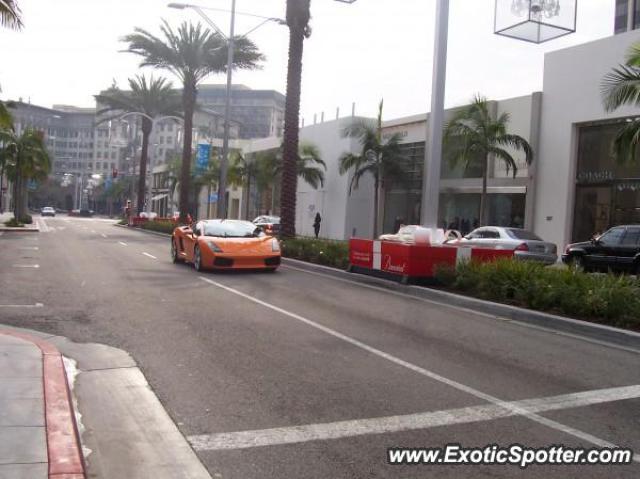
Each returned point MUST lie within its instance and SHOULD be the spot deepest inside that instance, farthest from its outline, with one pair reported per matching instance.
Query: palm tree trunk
(297, 19)
(381, 198)
(246, 217)
(483, 194)
(273, 198)
(24, 200)
(142, 179)
(16, 197)
(188, 102)
(376, 193)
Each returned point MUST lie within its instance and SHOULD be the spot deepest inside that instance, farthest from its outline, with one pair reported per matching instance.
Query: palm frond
(620, 87)
(633, 56)
(10, 15)
(506, 157)
(518, 143)
(625, 143)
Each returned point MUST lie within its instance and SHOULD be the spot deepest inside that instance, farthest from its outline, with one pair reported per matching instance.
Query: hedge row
(159, 226)
(603, 298)
(319, 251)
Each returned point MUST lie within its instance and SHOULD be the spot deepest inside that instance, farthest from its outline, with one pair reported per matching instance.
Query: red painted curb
(63, 441)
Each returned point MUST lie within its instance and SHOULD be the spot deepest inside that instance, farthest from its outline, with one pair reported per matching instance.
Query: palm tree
(192, 53)
(309, 165)
(10, 15)
(298, 16)
(473, 137)
(381, 158)
(621, 87)
(25, 158)
(154, 97)
(6, 122)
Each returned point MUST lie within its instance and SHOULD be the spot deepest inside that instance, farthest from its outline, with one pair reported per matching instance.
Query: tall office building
(260, 113)
(627, 16)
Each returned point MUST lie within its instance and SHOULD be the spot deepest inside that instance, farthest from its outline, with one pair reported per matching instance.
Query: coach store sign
(595, 176)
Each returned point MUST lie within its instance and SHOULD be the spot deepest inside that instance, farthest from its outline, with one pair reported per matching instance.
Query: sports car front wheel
(197, 259)
(175, 257)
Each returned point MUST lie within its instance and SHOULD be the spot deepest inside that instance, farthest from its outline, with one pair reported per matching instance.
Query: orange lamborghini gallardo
(225, 244)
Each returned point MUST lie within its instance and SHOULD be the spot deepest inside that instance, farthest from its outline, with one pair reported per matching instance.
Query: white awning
(159, 197)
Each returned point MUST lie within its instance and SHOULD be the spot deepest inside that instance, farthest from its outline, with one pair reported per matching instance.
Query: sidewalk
(38, 434)
(6, 216)
(124, 430)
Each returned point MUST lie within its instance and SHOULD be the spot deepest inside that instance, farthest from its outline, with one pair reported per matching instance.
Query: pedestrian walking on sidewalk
(316, 224)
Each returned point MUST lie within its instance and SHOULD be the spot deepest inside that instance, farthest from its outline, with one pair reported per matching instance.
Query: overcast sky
(70, 49)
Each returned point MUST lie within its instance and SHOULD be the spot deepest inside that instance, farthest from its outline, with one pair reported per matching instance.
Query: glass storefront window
(607, 192)
(461, 211)
(622, 12)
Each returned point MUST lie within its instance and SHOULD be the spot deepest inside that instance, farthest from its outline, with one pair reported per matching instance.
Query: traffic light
(114, 173)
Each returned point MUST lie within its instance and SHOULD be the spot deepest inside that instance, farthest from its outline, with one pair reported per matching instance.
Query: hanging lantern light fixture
(535, 21)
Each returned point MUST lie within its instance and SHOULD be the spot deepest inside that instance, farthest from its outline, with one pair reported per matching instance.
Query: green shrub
(166, 227)
(123, 222)
(319, 251)
(607, 298)
(26, 219)
(13, 223)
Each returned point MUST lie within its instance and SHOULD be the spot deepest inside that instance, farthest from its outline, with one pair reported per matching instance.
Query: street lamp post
(224, 163)
(435, 123)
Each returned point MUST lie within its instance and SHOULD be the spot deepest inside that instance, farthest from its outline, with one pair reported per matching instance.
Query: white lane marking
(122, 243)
(409, 422)
(425, 372)
(37, 305)
(26, 265)
(32, 248)
(103, 235)
(467, 310)
(42, 224)
(93, 231)
(149, 255)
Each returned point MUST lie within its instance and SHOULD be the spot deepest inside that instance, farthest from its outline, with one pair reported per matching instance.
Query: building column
(534, 141)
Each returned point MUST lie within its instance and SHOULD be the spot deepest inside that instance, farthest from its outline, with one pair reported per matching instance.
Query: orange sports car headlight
(214, 247)
(275, 245)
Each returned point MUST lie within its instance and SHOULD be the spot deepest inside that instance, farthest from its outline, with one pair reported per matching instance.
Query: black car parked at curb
(618, 249)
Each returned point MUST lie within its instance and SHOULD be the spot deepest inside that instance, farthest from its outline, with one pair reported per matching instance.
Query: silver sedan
(526, 245)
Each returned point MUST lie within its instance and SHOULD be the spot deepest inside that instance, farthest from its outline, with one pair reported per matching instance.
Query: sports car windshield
(232, 229)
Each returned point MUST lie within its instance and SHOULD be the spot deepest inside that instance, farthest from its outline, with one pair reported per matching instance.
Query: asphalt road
(301, 375)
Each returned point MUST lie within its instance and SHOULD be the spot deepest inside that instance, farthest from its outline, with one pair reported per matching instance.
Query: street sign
(32, 185)
(107, 183)
(202, 157)
(213, 198)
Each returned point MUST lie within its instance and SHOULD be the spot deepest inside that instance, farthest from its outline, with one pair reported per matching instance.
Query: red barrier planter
(411, 261)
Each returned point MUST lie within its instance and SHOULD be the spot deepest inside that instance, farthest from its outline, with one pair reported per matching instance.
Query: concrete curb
(6, 229)
(594, 331)
(156, 233)
(63, 441)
